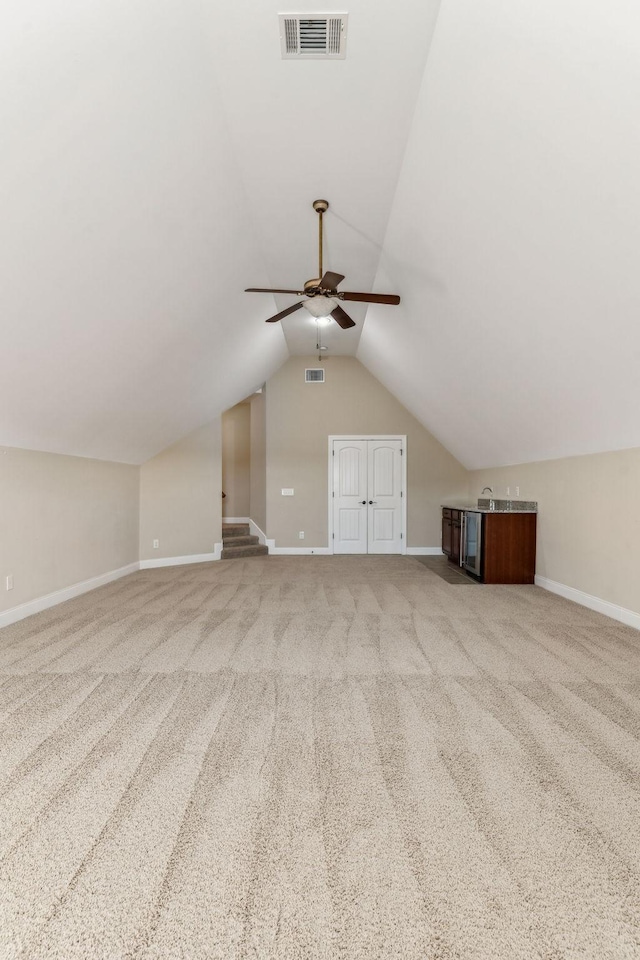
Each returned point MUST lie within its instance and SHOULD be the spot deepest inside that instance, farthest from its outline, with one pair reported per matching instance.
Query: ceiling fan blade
(331, 280)
(342, 319)
(284, 313)
(372, 297)
(296, 293)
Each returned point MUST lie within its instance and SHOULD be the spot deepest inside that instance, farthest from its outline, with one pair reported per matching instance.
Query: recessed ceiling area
(481, 163)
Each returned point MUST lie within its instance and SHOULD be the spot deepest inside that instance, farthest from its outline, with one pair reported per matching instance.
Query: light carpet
(323, 758)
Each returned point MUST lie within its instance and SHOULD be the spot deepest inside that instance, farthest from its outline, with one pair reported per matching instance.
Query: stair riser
(248, 541)
(239, 553)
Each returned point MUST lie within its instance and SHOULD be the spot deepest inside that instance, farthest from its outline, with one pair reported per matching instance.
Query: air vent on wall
(314, 376)
(313, 36)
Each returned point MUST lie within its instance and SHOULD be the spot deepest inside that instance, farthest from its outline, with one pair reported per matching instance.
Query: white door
(350, 510)
(384, 503)
(367, 496)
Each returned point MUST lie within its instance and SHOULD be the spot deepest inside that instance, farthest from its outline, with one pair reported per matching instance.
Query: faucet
(486, 488)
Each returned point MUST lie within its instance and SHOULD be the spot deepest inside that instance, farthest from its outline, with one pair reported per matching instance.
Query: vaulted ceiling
(480, 159)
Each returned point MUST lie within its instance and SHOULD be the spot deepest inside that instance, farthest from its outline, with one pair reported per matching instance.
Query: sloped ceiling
(515, 235)
(126, 240)
(480, 160)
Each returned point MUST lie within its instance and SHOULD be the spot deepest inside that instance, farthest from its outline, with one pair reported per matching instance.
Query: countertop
(500, 506)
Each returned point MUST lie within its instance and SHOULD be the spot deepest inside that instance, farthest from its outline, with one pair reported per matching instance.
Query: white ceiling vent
(313, 36)
(314, 375)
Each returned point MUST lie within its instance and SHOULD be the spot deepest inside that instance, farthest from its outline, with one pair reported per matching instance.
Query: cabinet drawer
(456, 515)
(446, 513)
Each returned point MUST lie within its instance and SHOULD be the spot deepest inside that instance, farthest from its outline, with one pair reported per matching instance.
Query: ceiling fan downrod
(320, 207)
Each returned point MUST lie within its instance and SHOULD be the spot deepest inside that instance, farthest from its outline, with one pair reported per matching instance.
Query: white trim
(424, 552)
(297, 551)
(13, 614)
(370, 436)
(255, 531)
(236, 520)
(628, 617)
(179, 561)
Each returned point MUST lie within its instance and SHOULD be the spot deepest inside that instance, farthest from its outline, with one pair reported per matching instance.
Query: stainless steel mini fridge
(471, 548)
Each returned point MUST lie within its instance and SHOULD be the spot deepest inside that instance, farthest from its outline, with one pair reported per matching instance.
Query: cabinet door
(447, 541)
(455, 542)
(510, 548)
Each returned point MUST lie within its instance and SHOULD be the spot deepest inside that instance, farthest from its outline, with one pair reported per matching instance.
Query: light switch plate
(287, 491)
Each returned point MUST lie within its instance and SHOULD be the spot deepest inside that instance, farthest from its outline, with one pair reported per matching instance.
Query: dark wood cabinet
(456, 527)
(508, 544)
(509, 547)
(451, 525)
(447, 542)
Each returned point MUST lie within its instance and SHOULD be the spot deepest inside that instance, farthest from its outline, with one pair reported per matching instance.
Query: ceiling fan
(322, 294)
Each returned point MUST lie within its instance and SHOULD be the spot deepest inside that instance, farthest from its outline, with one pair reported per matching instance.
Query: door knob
(373, 501)
(363, 501)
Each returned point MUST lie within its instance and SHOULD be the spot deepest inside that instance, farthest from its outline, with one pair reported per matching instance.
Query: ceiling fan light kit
(320, 306)
(322, 296)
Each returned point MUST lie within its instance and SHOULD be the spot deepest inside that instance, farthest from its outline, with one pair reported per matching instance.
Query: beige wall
(588, 521)
(300, 418)
(63, 520)
(180, 497)
(236, 460)
(258, 497)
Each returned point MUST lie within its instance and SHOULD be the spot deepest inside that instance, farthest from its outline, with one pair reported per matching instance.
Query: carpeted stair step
(244, 550)
(235, 530)
(244, 541)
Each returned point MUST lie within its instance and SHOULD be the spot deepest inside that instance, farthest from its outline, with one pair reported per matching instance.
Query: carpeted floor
(319, 757)
(450, 572)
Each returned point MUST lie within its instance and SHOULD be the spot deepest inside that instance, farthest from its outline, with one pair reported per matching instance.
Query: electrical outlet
(517, 491)
(10, 582)
(287, 491)
(156, 544)
(301, 535)
(508, 489)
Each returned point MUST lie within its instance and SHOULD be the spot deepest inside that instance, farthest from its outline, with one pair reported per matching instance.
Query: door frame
(369, 436)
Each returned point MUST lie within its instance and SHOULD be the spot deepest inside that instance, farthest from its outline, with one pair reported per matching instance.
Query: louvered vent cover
(313, 36)
(314, 376)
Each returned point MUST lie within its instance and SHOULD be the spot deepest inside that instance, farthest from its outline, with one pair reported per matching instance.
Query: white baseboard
(255, 531)
(180, 561)
(628, 617)
(296, 551)
(13, 614)
(236, 520)
(327, 552)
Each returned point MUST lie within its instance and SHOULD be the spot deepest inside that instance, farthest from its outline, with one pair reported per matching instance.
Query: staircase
(238, 542)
